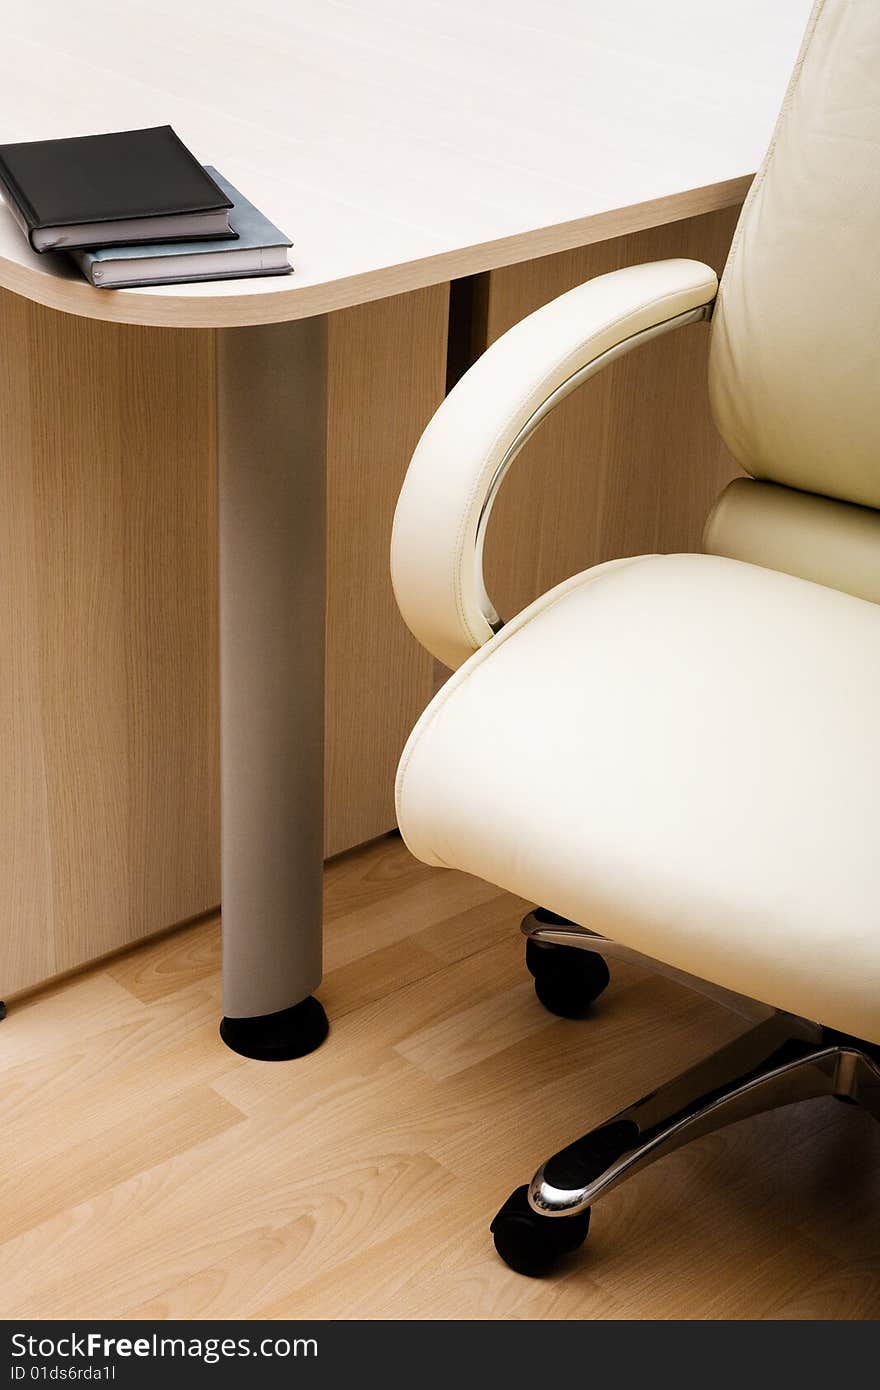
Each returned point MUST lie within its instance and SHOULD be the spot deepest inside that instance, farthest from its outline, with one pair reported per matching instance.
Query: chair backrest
(794, 369)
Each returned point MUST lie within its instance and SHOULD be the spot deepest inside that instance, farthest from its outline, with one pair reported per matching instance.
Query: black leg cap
(279, 1037)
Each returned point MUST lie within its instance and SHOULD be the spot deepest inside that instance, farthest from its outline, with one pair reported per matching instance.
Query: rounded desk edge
(281, 299)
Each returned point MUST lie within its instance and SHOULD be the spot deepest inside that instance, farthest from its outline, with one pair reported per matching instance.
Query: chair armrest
(463, 455)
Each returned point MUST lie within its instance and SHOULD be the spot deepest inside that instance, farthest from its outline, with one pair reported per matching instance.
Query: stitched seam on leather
(781, 121)
(483, 653)
(549, 374)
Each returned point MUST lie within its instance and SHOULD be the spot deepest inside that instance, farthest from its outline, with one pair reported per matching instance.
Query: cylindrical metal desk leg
(271, 448)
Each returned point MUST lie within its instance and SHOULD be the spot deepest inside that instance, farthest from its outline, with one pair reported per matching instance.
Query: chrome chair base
(782, 1059)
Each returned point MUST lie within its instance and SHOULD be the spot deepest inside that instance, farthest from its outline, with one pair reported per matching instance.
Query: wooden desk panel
(386, 377)
(108, 691)
(109, 796)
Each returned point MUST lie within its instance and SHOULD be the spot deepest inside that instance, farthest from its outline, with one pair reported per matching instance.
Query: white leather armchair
(678, 756)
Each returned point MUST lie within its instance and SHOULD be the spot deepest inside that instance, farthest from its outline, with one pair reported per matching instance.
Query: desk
(401, 146)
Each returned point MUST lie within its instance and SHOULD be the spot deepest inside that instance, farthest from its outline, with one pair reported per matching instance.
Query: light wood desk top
(403, 143)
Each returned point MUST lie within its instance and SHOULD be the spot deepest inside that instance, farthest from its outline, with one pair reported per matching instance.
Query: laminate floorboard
(178, 1180)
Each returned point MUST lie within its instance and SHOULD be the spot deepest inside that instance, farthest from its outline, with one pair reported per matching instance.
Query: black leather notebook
(111, 190)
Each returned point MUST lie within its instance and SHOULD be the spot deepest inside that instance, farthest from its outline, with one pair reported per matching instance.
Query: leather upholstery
(830, 542)
(434, 567)
(795, 366)
(681, 752)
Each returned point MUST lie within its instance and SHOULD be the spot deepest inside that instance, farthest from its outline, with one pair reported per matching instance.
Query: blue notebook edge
(254, 231)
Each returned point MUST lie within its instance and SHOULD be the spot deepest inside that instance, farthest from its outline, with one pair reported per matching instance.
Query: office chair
(679, 755)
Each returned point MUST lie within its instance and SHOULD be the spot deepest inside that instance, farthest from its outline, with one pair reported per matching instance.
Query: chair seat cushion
(681, 752)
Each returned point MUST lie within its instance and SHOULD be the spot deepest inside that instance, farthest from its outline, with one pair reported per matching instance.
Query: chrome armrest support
(468, 447)
(537, 418)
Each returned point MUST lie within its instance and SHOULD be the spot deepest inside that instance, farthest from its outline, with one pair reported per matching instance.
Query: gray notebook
(258, 249)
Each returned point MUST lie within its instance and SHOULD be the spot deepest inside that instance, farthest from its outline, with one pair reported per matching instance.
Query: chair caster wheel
(567, 980)
(532, 1244)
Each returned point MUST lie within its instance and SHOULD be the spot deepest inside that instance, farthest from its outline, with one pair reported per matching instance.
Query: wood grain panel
(27, 940)
(631, 462)
(108, 683)
(386, 377)
(107, 612)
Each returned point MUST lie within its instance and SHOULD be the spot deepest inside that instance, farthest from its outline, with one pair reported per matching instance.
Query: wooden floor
(149, 1173)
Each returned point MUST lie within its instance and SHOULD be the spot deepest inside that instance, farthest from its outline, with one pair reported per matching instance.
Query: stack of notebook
(137, 208)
